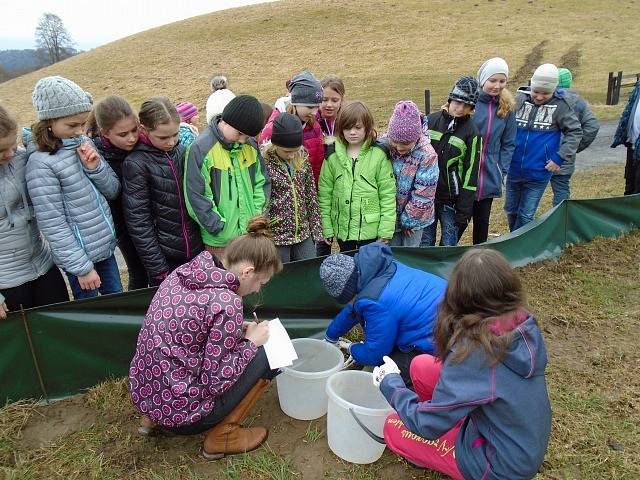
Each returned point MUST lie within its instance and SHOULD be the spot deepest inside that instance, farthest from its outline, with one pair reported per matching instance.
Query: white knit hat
(217, 101)
(491, 67)
(545, 78)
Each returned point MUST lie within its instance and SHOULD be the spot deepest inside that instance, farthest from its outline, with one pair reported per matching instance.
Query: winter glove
(349, 362)
(344, 345)
(389, 366)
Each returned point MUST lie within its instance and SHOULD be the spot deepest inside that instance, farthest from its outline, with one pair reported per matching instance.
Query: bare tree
(53, 38)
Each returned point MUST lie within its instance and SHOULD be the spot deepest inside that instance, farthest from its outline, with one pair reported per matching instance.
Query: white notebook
(279, 349)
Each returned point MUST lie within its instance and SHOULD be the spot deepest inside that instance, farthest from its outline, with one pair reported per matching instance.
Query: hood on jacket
(206, 271)
(527, 354)
(375, 268)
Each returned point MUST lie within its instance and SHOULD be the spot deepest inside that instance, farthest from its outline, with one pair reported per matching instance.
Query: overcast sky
(95, 22)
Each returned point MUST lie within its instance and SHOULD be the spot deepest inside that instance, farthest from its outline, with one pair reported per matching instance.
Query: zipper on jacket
(295, 206)
(353, 181)
(182, 220)
(229, 179)
(485, 146)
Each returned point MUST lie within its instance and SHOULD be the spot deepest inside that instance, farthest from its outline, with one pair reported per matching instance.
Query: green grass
(263, 464)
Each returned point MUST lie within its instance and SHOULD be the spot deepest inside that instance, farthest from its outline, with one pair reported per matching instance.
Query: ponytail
(255, 247)
(506, 103)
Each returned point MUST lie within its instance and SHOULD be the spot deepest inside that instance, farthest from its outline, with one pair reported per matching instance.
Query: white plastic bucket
(301, 387)
(352, 394)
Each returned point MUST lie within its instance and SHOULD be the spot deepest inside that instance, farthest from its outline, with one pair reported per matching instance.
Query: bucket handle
(372, 435)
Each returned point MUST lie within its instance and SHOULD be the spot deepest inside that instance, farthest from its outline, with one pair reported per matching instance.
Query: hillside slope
(385, 50)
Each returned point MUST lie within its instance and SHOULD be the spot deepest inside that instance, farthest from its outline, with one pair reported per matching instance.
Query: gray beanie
(340, 277)
(57, 97)
(545, 78)
(305, 90)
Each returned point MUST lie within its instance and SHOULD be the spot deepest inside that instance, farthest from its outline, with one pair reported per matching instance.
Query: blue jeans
(560, 187)
(401, 240)
(109, 280)
(521, 201)
(445, 213)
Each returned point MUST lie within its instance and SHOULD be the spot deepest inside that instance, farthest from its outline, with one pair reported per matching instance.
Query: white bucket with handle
(301, 387)
(355, 417)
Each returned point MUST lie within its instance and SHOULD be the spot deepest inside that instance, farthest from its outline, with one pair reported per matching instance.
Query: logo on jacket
(543, 116)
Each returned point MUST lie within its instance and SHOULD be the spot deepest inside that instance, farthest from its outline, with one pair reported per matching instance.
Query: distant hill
(385, 50)
(14, 61)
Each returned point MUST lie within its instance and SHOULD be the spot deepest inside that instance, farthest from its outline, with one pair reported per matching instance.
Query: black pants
(44, 290)
(137, 273)
(403, 360)
(631, 174)
(481, 216)
(322, 249)
(348, 245)
(258, 368)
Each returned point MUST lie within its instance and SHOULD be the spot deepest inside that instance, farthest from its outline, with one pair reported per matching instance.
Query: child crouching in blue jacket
(480, 411)
(395, 304)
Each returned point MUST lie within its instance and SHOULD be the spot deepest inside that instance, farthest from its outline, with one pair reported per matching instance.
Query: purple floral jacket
(191, 347)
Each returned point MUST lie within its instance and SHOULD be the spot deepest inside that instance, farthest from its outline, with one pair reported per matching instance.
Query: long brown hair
(335, 83)
(8, 125)
(256, 247)
(44, 137)
(351, 114)
(482, 287)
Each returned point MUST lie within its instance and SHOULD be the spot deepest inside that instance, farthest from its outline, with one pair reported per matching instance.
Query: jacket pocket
(372, 217)
(78, 235)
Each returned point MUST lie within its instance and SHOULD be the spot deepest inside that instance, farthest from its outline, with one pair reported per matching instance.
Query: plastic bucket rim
(314, 375)
(359, 409)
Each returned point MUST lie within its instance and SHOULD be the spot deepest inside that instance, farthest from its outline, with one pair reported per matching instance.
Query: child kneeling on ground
(198, 365)
(482, 409)
(395, 304)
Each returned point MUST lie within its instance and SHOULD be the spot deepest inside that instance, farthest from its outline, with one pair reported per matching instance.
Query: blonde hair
(299, 160)
(335, 83)
(8, 125)
(506, 103)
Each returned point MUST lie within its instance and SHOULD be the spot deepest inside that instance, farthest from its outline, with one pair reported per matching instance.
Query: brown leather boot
(229, 437)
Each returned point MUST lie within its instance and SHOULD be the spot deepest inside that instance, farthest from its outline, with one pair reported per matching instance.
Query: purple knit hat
(405, 125)
(186, 111)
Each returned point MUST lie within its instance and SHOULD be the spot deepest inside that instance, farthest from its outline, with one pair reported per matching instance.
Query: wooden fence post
(610, 88)
(427, 102)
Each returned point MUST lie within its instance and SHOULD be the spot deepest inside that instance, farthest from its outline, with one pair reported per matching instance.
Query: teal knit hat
(564, 78)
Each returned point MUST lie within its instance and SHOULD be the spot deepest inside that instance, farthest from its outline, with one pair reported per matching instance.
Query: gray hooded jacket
(24, 255)
(71, 208)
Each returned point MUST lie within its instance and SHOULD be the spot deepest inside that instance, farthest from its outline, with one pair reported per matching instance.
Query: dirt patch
(571, 59)
(531, 62)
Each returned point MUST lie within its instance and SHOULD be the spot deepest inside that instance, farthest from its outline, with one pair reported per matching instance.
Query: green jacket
(225, 186)
(357, 197)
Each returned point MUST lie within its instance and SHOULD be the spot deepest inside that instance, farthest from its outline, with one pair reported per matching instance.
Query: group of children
(461, 362)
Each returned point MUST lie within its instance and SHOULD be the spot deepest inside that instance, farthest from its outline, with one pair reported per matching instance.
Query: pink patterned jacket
(191, 347)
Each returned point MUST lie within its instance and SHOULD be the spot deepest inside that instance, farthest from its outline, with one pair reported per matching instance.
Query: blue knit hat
(340, 277)
(305, 90)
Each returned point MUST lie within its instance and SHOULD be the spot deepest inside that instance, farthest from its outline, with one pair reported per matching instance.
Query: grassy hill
(385, 51)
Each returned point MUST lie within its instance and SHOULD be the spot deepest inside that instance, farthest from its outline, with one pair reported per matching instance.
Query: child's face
(331, 101)
(402, 148)
(495, 84)
(250, 280)
(165, 136)
(8, 147)
(233, 135)
(306, 113)
(355, 135)
(458, 109)
(540, 98)
(193, 120)
(288, 154)
(71, 126)
(124, 133)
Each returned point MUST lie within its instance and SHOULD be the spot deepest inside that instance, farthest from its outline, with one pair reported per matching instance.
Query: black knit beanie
(287, 131)
(244, 113)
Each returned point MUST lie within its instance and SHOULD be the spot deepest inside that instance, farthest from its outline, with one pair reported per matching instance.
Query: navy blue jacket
(396, 305)
(498, 144)
(505, 408)
(549, 132)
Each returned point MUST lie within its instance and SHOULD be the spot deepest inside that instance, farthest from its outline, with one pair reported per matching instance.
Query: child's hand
(328, 241)
(383, 240)
(408, 232)
(3, 310)
(258, 333)
(552, 167)
(88, 155)
(90, 281)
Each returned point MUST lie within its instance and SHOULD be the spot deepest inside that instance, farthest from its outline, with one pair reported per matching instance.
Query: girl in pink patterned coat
(198, 365)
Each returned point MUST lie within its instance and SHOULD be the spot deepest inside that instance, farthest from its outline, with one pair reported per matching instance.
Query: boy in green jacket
(225, 182)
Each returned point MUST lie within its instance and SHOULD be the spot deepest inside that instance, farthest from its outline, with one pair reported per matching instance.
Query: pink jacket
(191, 347)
